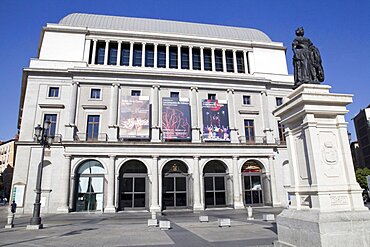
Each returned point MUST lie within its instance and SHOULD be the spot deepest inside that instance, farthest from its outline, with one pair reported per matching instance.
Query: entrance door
(175, 191)
(215, 190)
(133, 192)
(253, 189)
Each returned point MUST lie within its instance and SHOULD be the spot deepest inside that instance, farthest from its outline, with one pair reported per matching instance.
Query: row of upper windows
(175, 60)
(95, 93)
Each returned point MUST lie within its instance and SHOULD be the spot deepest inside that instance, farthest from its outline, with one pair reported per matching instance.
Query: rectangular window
(279, 101)
(161, 56)
(207, 55)
(92, 132)
(135, 92)
(196, 59)
(218, 60)
(125, 54)
(53, 92)
(137, 55)
(53, 123)
(112, 54)
(185, 57)
(249, 130)
(173, 57)
(240, 62)
(246, 99)
(212, 96)
(95, 93)
(175, 95)
(100, 52)
(281, 133)
(229, 61)
(149, 56)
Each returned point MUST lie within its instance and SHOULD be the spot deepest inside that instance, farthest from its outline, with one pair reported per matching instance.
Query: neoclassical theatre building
(152, 115)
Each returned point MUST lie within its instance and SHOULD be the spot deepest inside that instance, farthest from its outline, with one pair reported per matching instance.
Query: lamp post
(45, 140)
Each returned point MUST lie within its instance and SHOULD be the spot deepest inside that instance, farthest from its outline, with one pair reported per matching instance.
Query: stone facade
(82, 73)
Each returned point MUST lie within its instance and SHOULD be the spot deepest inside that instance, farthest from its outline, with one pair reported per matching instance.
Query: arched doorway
(175, 185)
(89, 186)
(215, 186)
(133, 186)
(252, 183)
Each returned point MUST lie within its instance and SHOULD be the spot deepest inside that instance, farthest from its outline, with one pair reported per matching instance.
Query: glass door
(175, 191)
(90, 194)
(253, 189)
(133, 192)
(215, 190)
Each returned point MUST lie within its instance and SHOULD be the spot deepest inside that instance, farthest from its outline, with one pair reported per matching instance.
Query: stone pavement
(130, 229)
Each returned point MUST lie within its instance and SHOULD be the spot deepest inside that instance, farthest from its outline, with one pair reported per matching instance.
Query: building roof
(163, 26)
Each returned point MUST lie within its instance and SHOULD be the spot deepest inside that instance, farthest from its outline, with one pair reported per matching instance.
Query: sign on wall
(215, 120)
(134, 117)
(18, 194)
(176, 119)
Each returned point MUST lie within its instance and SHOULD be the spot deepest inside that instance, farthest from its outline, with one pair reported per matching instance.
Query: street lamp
(45, 140)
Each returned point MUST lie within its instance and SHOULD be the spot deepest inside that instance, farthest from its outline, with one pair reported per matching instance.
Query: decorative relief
(329, 153)
(339, 200)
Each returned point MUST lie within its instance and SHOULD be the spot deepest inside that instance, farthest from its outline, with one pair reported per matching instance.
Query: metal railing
(253, 140)
(84, 137)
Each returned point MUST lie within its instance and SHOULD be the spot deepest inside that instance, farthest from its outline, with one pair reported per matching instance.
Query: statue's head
(299, 31)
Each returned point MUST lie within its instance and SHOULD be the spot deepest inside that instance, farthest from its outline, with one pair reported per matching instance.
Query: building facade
(362, 126)
(153, 115)
(7, 156)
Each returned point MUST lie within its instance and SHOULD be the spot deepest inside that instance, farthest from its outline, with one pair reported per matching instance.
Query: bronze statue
(306, 61)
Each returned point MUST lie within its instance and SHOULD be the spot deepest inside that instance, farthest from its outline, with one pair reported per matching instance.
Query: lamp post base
(35, 227)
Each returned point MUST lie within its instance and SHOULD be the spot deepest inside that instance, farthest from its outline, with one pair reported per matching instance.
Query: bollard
(10, 223)
(250, 213)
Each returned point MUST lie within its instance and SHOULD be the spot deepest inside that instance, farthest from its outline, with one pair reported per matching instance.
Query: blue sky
(340, 29)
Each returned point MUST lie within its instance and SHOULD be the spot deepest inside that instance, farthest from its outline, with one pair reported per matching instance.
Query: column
(155, 114)
(232, 114)
(113, 112)
(154, 207)
(201, 59)
(179, 56)
(155, 55)
(234, 62)
(110, 182)
(238, 198)
(71, 126)
(190, 57)
(64, 175)
(195, 130)
(119, 53)
(106, 52)
(131, 54)
(196, 176)
(213, 59)
(224, 60)
(246, 65)
(143, 55)
(266, 118)
(274, 195)
(94, 52)
(72, 195)
(251, 62)
(167, 56)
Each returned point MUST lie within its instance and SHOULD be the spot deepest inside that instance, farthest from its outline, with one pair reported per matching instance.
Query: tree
(361, 174)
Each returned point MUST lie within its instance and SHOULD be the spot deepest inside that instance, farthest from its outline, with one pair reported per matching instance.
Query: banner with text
(215, 120)
(134, 117)
(176, 119)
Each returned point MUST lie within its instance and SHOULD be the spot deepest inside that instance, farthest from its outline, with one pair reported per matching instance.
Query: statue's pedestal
(327, 207)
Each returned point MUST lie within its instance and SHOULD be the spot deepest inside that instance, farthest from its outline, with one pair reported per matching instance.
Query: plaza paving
(130, 229)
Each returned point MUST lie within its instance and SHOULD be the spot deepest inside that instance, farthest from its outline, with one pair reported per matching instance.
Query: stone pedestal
(326, 200)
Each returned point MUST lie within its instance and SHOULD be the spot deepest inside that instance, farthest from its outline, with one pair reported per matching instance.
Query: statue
(306, 61)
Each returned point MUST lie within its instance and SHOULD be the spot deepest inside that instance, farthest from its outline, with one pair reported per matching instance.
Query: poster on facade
(134, 117)
(215, 120)
(176, 119)
(18, 194)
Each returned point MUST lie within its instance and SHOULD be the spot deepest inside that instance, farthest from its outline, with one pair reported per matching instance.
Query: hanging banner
(176, 119)
(134, 117)
(215, 120)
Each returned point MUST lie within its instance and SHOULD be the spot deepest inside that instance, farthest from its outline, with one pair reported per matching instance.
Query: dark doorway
(252, 184)
(175, 184)
(133, 186)
(215, 184)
